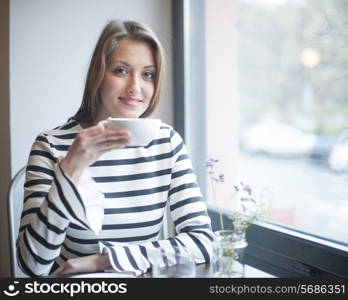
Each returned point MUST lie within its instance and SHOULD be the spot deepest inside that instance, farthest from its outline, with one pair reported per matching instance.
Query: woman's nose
(134, 85)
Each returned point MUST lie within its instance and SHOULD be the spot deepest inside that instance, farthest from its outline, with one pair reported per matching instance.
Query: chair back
(168, 228)
(15, 206)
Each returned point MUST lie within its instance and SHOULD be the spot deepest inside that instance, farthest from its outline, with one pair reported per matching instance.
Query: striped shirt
(136, 184)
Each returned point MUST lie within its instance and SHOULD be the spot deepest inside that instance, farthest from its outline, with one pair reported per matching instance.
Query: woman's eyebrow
(152, 66)
(120, 62)
(128, 65)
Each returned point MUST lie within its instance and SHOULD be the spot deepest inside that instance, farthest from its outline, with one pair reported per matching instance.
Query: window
(293, 106)
(264, 92)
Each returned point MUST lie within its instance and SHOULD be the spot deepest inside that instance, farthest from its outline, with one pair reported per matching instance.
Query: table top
(202, 271)
(205, 270)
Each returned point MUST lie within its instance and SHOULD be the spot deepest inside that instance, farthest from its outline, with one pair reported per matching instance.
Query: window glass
(277, 107)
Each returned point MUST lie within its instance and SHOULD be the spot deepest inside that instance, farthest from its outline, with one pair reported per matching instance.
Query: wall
(222, 99)
(50, 44)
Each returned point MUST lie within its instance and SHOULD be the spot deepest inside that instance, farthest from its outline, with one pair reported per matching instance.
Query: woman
(92, 203)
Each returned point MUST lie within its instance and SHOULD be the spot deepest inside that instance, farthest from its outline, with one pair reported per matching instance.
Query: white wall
(50, 46)
(51, 43)
(221, 17)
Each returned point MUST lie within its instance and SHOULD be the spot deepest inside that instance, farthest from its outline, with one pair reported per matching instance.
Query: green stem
(214, 196)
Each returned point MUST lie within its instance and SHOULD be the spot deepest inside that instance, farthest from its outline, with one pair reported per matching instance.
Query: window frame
(272, 248)
(186, 86)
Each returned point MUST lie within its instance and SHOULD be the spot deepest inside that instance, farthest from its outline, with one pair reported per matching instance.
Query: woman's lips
(131, 101)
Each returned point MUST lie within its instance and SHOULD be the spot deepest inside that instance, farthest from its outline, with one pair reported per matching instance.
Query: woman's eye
(149, 75)
(120, 71)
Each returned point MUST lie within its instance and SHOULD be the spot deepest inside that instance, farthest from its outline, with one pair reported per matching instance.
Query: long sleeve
(189, 214)
(119, 210)
(51, 203)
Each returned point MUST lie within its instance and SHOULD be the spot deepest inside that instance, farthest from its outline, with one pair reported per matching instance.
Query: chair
(14, 207)
(168, 228)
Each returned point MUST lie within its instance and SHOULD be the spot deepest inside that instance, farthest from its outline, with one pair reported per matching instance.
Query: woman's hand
(86, 264)
(89, 145)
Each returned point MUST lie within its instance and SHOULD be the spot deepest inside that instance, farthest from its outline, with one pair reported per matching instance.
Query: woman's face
(129, 81)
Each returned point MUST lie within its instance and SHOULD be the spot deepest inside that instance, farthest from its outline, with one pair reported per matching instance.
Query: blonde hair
(108, 41)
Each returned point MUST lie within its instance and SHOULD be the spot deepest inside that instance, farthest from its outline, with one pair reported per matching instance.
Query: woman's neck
(85, 124)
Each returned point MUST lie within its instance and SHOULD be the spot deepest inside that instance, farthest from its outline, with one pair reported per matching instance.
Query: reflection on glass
(293, 91)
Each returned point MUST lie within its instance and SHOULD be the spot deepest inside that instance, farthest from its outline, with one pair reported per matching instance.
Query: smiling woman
(128, 84)
(108, 65)
(92, 202)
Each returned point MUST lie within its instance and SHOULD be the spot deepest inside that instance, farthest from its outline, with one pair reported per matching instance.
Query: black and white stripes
(135, 183)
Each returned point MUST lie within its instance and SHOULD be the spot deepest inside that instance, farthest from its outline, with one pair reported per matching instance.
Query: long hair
(108, 41)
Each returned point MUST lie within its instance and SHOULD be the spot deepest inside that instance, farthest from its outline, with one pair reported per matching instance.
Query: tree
(277, 49)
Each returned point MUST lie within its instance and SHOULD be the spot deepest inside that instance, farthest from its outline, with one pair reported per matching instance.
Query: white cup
(142, 131)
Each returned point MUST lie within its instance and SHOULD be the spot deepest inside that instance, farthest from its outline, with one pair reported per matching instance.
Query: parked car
(338, 158)
(321, 151)
(277, 139)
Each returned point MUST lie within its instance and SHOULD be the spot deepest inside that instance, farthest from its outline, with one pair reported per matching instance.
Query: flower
(215, 178)
(229, 245)
(247, 209)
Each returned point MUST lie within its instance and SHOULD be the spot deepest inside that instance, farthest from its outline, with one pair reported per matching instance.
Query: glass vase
(228, 257)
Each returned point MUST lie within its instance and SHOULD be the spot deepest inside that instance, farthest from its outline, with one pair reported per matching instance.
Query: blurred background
(289, 85)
